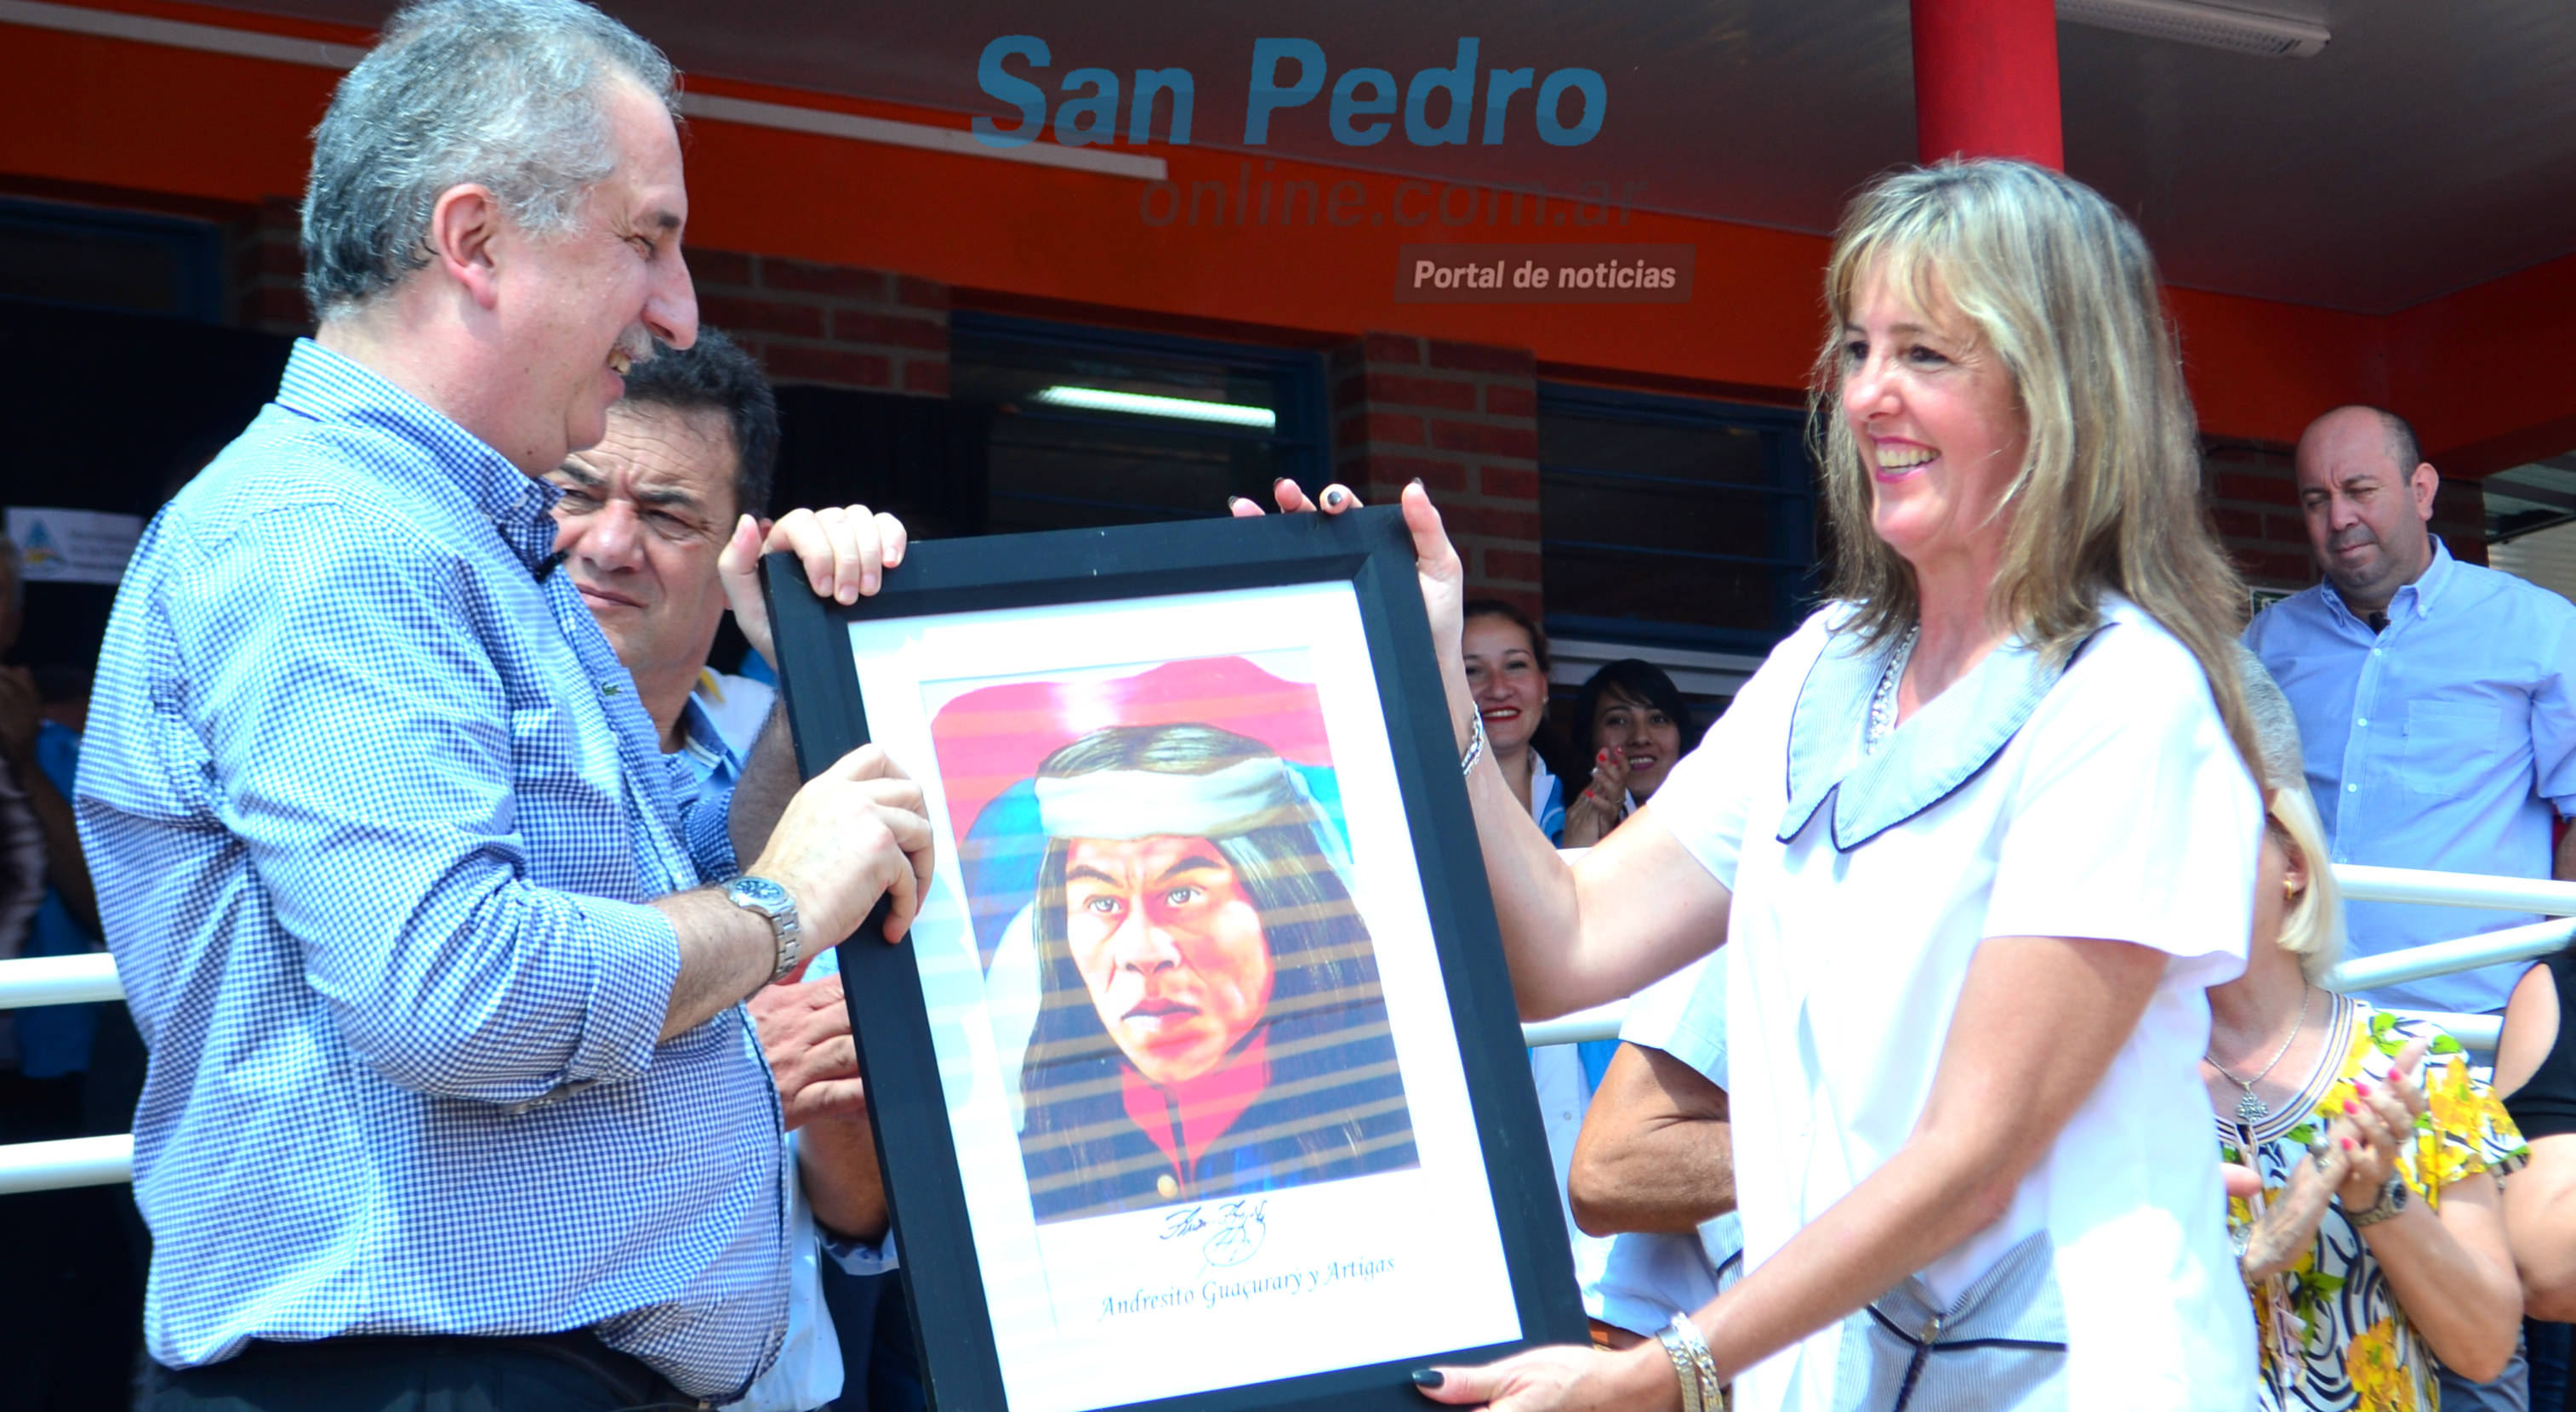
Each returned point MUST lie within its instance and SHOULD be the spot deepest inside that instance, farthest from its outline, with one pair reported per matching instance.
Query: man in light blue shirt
(2433, 699)
(452, 1093)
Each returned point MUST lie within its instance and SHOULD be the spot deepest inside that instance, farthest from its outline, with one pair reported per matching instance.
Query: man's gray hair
(502, 93)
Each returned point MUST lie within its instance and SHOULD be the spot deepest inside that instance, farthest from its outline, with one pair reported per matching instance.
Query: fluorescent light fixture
(2210, 26)
(1146, 405)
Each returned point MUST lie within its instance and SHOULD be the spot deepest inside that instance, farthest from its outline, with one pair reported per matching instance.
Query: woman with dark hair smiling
(1507, 667)
(1633, 725)
(1211, 1022)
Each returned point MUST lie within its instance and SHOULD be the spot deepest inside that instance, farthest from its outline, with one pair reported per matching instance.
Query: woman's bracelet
(1693, 1365)
(1475, 743)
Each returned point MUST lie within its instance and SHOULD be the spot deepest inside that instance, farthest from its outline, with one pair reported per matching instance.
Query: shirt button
(2350, 788)
(2361, 720)
(1165, 1187)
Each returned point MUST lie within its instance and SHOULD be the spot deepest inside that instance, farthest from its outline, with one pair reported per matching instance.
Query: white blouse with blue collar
(2098, 799)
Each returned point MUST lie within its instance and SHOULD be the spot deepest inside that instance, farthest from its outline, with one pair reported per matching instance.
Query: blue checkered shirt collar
(460, 471)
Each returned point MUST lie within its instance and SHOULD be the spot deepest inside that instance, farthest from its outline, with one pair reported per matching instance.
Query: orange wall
(2489, 373)
(122, 114)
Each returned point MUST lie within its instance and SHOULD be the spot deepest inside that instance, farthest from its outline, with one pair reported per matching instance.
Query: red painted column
(1985, 80)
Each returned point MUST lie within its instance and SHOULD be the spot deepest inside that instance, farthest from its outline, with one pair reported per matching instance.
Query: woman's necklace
(1882, 703)
(2249, 1109)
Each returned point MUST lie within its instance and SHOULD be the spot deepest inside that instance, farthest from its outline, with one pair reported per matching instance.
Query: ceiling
(2431, 146)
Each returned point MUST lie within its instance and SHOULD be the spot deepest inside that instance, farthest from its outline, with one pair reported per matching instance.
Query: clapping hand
(2288, 1225)
(2377, 1123)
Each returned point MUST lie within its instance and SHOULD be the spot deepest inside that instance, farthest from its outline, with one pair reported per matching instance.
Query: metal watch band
(1693, 1365)
(791, 949)
(1683, 1371)
(761, 895)
(2392, 1199)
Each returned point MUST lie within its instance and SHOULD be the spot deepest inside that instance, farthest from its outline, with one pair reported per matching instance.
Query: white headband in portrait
(1128, 804)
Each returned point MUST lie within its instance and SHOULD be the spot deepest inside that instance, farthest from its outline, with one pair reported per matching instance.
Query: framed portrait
(1198, 1083)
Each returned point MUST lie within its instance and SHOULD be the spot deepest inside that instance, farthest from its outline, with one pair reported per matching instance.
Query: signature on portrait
(1240, 1226)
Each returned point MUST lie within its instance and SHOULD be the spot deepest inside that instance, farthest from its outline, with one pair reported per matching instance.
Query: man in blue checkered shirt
(452, 1096)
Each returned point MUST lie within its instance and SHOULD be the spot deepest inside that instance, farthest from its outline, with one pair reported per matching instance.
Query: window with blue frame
(1093, 427)
(1674, 521)
(127, 260)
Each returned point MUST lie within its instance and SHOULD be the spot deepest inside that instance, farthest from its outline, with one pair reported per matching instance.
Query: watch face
(758, 892)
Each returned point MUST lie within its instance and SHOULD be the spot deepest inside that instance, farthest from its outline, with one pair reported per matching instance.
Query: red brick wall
(833, 325)
(2255, 501)
(1462, 417)
(828, 324)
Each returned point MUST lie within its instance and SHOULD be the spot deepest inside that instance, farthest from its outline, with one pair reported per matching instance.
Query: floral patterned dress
(2333, 1337)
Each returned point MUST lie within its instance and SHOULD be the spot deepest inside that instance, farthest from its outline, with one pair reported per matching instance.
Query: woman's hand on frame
(1435, 560)
(1559, 1378)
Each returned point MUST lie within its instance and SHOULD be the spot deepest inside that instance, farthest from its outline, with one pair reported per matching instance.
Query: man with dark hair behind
(689, 451)
(1211, 1023)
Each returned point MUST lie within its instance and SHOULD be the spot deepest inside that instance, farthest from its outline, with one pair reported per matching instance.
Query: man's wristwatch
(771, 901)
(2392, 1199)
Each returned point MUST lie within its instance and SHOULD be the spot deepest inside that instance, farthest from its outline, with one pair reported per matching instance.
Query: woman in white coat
(1976, 839)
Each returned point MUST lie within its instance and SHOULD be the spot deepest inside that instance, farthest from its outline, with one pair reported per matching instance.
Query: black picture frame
(1371, 551)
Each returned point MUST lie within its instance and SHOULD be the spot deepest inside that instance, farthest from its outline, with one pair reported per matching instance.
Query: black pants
(571, 1372)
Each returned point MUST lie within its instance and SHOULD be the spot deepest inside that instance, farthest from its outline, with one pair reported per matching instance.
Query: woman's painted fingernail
(1335, 497)
(2347, 1144)
(2351, 1107)
(2361, 1088)
(1428, 1377)
(1233, 500)
(1417, 482)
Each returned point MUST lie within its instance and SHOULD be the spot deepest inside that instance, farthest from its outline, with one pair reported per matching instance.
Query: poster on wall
(57, 545)
(1199, 1072)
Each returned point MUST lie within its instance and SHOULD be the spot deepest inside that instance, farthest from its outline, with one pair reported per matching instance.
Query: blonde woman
(2376, 1245)
(1977, 839)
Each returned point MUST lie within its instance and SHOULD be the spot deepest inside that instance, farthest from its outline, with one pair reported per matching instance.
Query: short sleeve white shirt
(2101, 801)
(1644, 1278)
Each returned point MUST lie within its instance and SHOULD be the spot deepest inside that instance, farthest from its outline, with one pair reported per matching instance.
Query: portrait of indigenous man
(1210, 1023)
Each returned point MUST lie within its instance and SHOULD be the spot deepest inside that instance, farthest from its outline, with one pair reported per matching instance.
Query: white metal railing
(2358, 884)
(79, 1161)
(59, 980)
(101, 1161)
